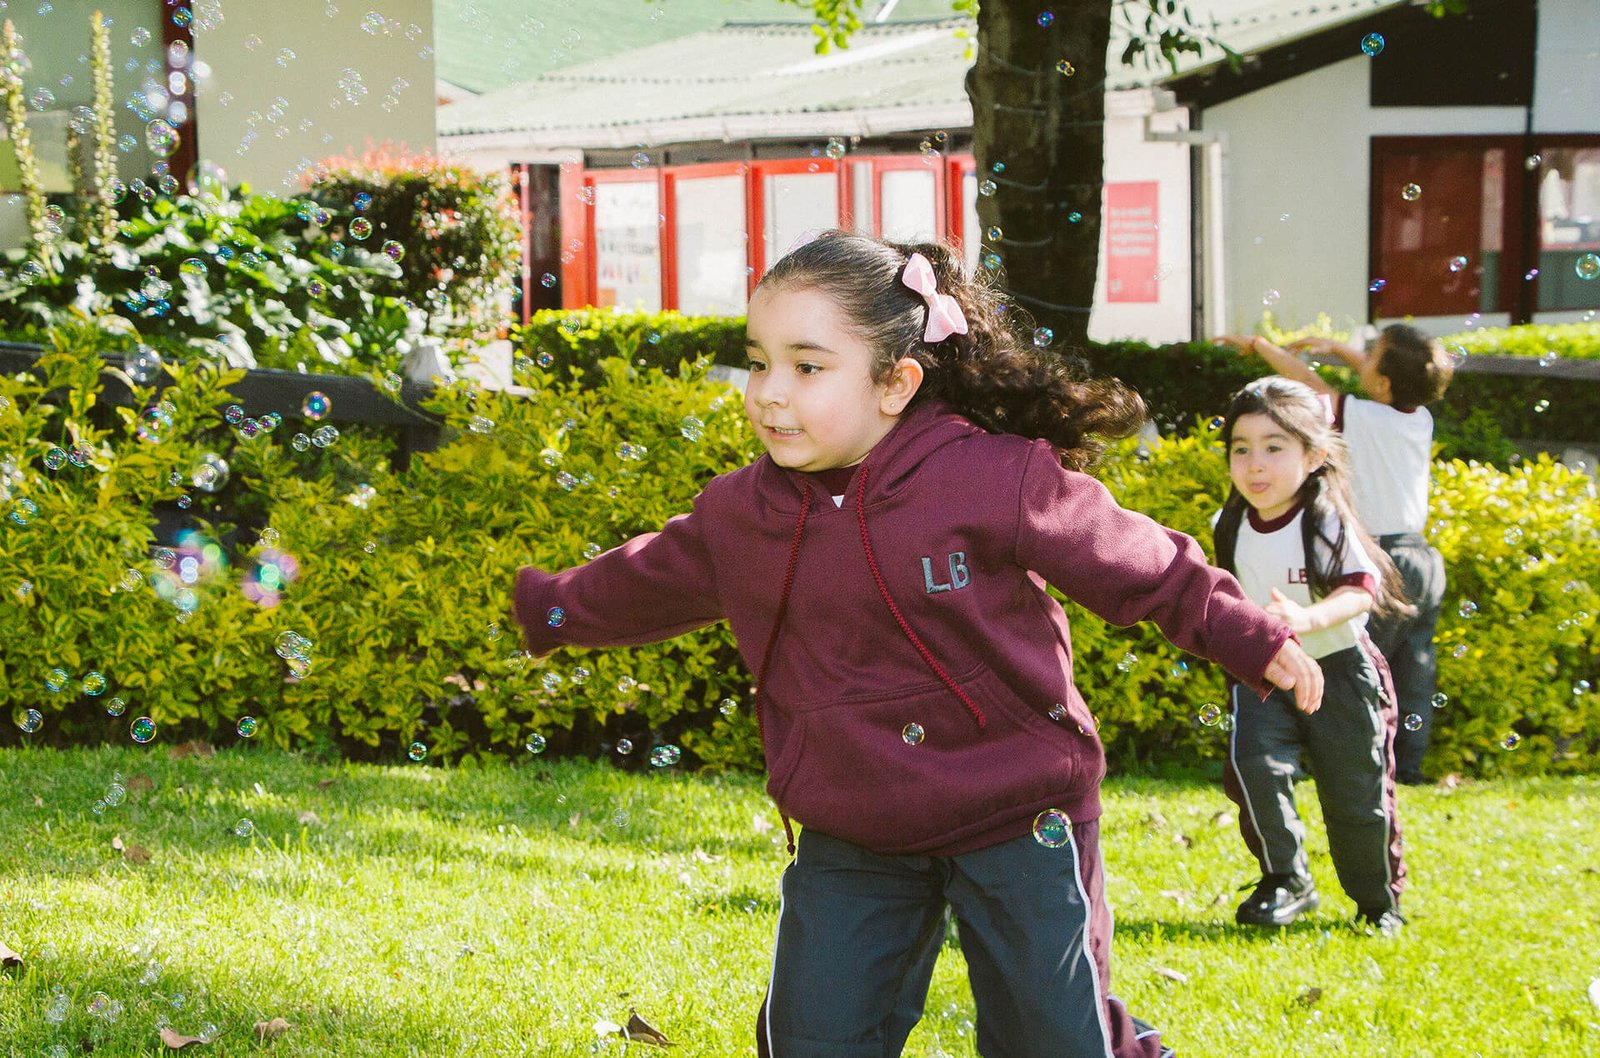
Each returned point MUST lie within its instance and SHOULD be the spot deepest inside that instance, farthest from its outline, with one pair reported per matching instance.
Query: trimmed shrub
(400, 578)
(457, 229)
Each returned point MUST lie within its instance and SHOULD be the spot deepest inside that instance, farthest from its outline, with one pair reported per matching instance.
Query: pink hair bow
(944, 312)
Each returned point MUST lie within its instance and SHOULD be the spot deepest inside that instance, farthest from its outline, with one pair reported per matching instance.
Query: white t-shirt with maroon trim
(1270, 554)
(1391, 452)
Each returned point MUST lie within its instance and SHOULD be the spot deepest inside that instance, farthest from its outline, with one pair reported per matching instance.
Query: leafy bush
(247, 280)
(1575, 341)
(580, 339)
(458, 227)
(400, 577)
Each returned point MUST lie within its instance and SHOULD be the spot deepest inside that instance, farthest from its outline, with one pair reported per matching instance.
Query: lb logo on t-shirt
(956, 563)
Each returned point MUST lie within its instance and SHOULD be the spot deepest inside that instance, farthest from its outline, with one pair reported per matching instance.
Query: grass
(505, 910)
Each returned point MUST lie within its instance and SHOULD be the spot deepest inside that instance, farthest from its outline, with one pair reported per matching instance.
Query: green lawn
(507, 910)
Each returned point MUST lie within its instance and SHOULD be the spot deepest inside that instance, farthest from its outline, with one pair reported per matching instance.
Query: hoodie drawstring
(772, 640)
(883, 589)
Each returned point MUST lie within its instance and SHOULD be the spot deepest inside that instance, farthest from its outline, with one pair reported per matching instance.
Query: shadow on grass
(1156, 930)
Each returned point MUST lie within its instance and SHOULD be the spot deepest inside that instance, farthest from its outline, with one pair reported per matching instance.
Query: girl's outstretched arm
(1337, 607)
(651, 588)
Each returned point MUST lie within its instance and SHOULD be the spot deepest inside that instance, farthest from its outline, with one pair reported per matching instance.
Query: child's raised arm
(1281, 360)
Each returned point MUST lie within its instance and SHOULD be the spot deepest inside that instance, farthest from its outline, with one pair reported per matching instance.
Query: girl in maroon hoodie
(883, 568)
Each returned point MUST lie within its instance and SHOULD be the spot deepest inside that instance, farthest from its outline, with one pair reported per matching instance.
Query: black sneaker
(1384, 920)
(1278, 900)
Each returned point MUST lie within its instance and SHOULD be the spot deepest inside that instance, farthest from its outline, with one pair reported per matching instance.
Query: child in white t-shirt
(1290, 535)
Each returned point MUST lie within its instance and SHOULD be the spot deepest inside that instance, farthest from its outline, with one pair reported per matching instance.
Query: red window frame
(669, 207)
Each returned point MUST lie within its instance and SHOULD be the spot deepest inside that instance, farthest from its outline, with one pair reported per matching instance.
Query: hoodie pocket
(911, 769)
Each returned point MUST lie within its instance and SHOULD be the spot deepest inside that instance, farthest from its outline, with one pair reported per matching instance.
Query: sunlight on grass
(508, 909)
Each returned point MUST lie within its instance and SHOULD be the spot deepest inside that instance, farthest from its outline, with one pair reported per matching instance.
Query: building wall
(266, 117)
(1569, 42)
(1131, 159)
(1296, 190)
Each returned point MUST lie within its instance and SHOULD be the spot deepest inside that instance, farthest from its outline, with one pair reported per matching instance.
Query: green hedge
(402, 578)
(1179, 382)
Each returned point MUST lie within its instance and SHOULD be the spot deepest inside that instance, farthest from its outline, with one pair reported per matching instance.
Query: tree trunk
(1038, 135)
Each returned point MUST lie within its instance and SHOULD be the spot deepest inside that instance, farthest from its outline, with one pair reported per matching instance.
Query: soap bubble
(211, 474)
(1457, 263)
(56, 458)
(360, 228)
(1065, 68)
(640, 160)
(1210, 714)
(23, 510)
(247, 726)
(316, 405)
(1439, 700)
(161, 138)
(556, 617)
(1413, 722)
(244, 828)
(94, 684)
(142, 730)
(1043, 337)
(1587, 266)
(1052, 828)
(1046, 17)
(624, 746)
(1377, 284)
(691, 428)
(536, 743)
(1127, 662)
(1581, 687)
(1468, 608)
(727, 707)
(393, 250)
(55, 681)
(324, 436)
(116, 706)
(155, 423)
(988, 188)
(1372, 43)
(912, 734)
(417, 751)
(1411, 192)
(835, 149)
(30, 720)
(665, 756)
(1511, 740)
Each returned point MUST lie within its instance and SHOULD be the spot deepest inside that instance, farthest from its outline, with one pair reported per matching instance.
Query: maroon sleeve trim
(1338, 412)
(1365, 581)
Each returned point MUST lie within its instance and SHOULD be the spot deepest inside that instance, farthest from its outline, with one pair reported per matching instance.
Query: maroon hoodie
(965, 528)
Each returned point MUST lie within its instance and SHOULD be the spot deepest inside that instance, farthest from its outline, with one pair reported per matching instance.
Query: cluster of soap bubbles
(295, 649)
(116, 793)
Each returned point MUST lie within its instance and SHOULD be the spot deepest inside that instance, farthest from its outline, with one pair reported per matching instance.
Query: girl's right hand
(1292, 669)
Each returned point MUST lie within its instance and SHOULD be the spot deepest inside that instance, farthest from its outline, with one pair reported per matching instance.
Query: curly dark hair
(992, 374)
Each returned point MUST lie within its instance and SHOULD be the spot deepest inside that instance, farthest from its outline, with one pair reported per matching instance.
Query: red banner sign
(1131, 262)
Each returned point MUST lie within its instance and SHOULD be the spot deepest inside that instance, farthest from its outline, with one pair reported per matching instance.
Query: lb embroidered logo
(960, 577)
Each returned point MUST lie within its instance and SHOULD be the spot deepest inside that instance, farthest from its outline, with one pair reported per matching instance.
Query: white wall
(1564, 98)
(1129, 157)
(265, 117)
(1296, 175)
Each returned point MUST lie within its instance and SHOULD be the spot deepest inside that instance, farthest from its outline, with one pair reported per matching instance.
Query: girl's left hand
(1290, 613)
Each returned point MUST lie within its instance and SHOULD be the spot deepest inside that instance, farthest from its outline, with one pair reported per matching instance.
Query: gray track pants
(1407, 643)
(1350, 743)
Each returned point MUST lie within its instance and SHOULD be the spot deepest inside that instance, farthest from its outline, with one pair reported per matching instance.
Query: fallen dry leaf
(1308, 997)
(176, 1042)
(1223, 818)
(9, 957)
(270, 1030)
(1172, 975)
(1175, 894)
(323, 784)
(309, 819)
(140, 784)
(132, 853)
(638, 1029)
(38, 802)
(195, 747)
